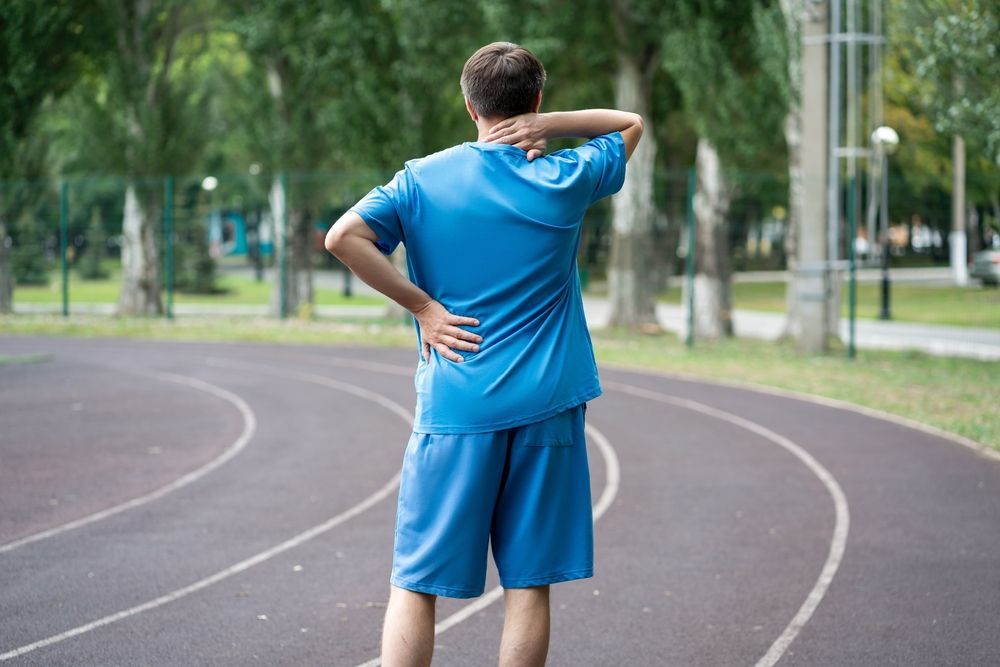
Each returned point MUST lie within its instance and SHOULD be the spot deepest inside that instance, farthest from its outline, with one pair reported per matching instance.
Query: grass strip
(955, 394)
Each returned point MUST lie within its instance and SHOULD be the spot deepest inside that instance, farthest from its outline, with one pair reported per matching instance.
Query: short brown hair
(502, 80)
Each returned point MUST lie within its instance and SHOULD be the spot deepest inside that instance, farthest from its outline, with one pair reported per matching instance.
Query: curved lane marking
(839, 540)
(267, 554)
(249, 428)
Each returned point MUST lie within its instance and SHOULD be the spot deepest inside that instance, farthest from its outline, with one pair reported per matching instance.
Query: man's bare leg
(408, 633)
(525, 641)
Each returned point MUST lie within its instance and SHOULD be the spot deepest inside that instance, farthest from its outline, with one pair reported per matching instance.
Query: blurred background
(186, 158)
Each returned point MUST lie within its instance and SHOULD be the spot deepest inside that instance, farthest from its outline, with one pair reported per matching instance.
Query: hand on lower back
(441, 330)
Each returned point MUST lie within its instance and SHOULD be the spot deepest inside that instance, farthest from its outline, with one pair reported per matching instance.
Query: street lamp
(885, 140)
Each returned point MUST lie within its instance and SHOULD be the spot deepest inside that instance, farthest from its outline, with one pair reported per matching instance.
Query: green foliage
(950, 46)
(42, 47)
(728, 59)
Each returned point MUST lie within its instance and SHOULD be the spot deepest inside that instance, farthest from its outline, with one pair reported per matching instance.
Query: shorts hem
(548, 579)
(432, 589)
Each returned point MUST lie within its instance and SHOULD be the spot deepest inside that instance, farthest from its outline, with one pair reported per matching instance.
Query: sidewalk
(872, 334)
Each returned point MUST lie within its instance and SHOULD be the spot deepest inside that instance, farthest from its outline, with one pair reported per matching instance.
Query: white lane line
(295, 541)
(249, 428)
(839, 540)
(611, 484)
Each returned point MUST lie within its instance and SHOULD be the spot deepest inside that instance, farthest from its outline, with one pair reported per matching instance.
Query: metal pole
(689, 260)
(853, 107)
(283, 254)
(64, 243)
(168, 243)
(852, 299)
(885, 313)
(875, 114)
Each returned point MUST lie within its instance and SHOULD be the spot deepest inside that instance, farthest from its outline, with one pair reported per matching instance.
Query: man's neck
(483, 126)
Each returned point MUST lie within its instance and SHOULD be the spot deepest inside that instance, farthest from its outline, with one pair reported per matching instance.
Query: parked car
(986, 267)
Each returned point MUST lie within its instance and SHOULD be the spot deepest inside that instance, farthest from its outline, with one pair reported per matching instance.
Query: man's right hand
(439, 329)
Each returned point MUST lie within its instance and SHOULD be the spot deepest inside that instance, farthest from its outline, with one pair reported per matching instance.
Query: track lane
(912, 588)
(209, 523)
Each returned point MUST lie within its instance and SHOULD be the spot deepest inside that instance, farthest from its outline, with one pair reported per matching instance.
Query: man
(497, 455)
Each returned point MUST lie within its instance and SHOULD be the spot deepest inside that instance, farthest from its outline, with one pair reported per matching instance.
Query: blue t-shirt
(493, 236)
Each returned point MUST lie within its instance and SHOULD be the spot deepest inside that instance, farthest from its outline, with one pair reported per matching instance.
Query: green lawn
(972, 306)
(238, 291)
(959, 395)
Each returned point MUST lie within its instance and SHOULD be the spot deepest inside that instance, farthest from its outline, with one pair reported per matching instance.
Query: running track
(233, 504)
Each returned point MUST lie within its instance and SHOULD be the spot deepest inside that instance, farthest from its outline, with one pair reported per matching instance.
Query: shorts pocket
(556, 431)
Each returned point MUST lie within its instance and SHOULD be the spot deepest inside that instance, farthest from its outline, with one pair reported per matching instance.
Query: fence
(219, 251)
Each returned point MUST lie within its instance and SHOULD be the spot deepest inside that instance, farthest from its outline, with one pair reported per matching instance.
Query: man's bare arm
(531, 130)
(353, 242)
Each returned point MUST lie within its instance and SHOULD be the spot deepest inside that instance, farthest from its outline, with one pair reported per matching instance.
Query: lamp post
(885, 141)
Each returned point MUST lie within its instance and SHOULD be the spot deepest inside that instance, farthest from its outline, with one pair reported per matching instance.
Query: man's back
(494, 236)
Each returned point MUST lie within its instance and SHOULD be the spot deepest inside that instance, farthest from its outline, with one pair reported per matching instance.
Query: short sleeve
(605, 160)
(383, 209)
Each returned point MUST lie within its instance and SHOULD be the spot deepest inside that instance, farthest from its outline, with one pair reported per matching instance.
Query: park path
(732, 512)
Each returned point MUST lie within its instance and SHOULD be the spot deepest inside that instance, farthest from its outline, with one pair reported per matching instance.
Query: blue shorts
(523, 490)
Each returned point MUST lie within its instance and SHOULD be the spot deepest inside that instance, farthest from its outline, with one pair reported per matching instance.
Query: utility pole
(811, 269)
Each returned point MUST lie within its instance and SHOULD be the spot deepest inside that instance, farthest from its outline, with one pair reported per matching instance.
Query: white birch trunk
(140, 291)
(712, 300)
(957, 239)
(791, 9)
(276, 200)
(631, 275)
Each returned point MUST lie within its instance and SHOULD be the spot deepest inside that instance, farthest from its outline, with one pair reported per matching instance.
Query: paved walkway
(970, 342)
(170, 503)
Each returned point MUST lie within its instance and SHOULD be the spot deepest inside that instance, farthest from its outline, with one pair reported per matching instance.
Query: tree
(736, 103)
(322, 103)
(54, 33)
(951, 48)
(638, 44)
(145, 114)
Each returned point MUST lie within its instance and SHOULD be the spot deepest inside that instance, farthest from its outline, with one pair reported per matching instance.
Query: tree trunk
(793, 140)
(6, 273)
(712, 293)
(301, 301)
(631, 278)
(295, 244)
(957, 239)
(140, 291)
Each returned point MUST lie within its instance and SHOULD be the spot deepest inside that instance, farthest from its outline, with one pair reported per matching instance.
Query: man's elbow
(639, 124)
(334, 242)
